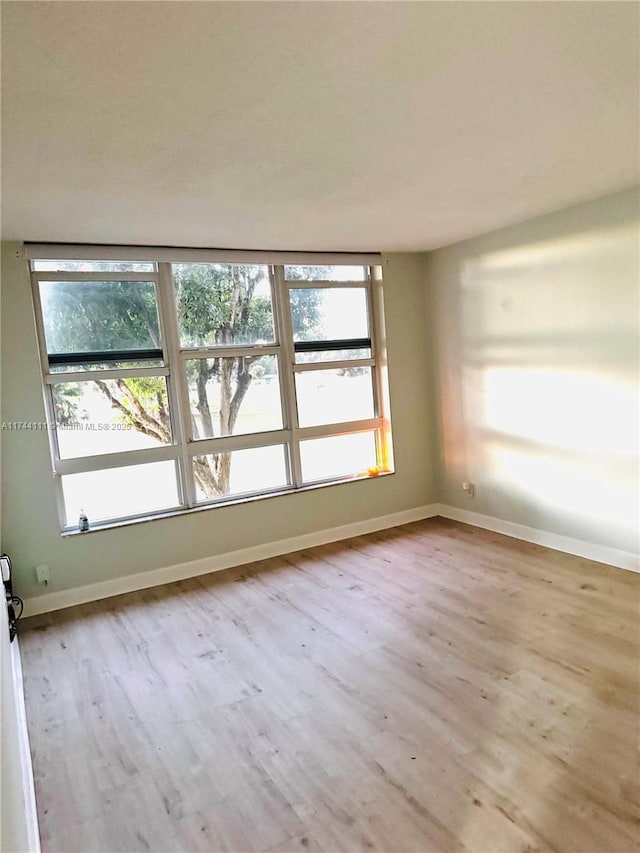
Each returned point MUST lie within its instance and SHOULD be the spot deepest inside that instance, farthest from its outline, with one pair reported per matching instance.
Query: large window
(175, 380)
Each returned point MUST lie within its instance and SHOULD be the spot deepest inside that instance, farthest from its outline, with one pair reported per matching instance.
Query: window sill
(176, 513)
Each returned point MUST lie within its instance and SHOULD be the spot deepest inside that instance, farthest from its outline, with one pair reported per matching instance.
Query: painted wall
(536, 347)
(30, 524)
(18, 821)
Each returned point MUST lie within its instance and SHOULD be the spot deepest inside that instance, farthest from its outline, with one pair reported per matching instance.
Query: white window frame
(184, 448)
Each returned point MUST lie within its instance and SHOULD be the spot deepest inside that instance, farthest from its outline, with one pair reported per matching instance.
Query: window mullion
(340, 428)
(332, 345)
(287, 383)
(373, 335)
(229, 351)
(116, 373)
(96, 275)
(381, 386)
(176, 384)
(305, 367)
(322, 284)
(48, 402)
(120, 459)
(244, 441)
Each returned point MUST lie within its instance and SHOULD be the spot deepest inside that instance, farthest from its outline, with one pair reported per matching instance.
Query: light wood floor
(429, 688)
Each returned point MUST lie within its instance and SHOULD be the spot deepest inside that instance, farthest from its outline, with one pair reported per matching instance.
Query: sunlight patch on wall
(538, 371)
(570, 486)
(582, 412)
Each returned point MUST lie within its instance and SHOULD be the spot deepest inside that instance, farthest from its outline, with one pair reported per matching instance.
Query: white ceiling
(337, 126)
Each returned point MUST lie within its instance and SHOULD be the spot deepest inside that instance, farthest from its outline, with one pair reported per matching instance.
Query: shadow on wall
(539, 379)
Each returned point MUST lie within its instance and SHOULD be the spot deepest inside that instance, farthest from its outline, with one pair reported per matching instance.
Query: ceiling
(386, 126)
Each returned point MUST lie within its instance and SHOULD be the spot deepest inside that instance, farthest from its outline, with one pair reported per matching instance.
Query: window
(177, 379)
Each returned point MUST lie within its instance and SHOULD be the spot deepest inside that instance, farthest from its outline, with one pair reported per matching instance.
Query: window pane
(99, 316)
(112, 415)
(94, 266)
(325, 314)
(326, 273)
(233, 396)
(338, 456)
(333, 396)
(223, 304)
(118, 492)
(331, 355)
(240, 471)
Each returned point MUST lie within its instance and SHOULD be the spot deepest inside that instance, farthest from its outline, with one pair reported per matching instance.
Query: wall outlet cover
(42, 574)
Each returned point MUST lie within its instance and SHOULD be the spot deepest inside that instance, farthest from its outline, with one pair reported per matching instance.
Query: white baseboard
(218, 562)
(578, 547)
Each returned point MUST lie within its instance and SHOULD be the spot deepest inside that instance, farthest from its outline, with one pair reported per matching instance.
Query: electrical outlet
(469, 488)
(42, 574)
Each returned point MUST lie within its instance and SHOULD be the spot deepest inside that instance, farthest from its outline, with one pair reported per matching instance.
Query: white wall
(18, 821)
(30, 523)
(536, 344)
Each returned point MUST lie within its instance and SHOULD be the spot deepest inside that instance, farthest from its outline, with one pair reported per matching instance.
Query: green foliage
(148, 389)
(65, 401)
(305, 311)
(221, 304)
(306, 302)
(85, 316)
(302, 272)
(146, 392)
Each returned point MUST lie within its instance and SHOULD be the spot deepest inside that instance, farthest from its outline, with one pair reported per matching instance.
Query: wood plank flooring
(428, 688)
